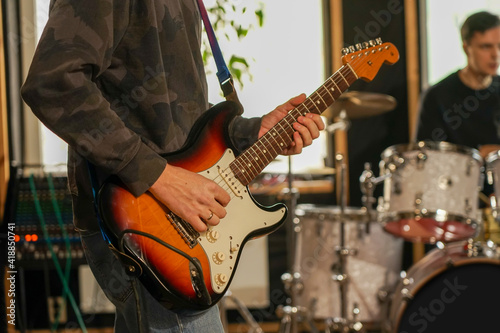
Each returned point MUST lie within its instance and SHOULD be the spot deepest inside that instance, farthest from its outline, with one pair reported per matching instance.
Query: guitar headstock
(367, 58)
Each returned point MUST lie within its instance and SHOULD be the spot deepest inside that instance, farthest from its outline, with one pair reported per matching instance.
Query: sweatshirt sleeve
(244, 131)
(61, 89)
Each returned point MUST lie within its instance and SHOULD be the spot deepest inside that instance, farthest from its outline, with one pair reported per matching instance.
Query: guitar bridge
(185, 230)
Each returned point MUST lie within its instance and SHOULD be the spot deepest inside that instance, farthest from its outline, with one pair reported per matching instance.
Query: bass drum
(453, 289)
(374, 263)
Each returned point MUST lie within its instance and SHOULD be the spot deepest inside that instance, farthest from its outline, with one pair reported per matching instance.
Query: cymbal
(359, 104)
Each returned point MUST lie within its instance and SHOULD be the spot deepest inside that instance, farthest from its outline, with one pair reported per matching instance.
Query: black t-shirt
(450, 111)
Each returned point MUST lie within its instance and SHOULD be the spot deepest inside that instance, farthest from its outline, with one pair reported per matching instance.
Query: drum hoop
(432, 145)
(462, 261)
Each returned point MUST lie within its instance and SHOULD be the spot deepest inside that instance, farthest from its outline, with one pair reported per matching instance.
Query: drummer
(464, 107)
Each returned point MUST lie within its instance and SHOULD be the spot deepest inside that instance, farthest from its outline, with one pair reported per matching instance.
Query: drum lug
(421, 158)
(407, 296)
(418, 200)
(395, 162)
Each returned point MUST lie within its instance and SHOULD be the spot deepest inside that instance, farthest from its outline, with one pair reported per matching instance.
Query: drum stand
(242, 309)
(291, 314)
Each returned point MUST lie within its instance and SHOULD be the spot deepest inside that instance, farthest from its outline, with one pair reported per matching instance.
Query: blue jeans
(136, 310)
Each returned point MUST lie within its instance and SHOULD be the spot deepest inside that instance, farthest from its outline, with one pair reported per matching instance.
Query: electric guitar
(180, 266)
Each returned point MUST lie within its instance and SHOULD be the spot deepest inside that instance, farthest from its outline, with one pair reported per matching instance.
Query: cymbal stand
(342, 323)
(292, 314)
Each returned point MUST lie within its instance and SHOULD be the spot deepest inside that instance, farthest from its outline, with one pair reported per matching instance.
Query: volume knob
(218, 257)
(220, 279)
(212, 235)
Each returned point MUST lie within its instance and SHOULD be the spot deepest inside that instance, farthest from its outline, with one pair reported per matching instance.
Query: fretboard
(253, 160)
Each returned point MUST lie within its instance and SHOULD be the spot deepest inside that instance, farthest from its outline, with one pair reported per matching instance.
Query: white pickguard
(223, 243)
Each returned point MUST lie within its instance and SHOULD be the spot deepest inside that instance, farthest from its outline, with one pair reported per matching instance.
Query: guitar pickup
(232, 182)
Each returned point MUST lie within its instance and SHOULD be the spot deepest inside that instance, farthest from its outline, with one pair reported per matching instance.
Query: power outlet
(56, 305)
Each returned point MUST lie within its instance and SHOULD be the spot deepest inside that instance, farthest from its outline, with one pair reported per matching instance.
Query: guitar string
(307, 104)
(321, 92)
(337, 78)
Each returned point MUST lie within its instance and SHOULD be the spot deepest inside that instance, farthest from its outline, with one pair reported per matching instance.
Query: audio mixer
(32, 247)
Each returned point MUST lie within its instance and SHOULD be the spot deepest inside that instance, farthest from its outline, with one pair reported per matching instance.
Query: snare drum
(375, 265)
(450, 290)
(431, 191)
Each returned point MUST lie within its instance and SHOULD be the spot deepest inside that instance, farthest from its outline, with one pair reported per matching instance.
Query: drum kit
(346, 269)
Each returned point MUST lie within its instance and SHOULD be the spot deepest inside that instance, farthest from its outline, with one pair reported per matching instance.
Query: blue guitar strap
(224, 76)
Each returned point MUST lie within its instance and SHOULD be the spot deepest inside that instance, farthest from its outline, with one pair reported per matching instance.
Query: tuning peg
(378, 41)
(345, 51)
(365, 45)
(352, 49)
(372, 43)
(358, 46)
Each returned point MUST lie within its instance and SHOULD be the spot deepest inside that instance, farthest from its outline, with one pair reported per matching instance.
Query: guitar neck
(254, 159)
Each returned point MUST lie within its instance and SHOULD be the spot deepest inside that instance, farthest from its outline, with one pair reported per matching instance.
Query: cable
(67, 272)
(54, 258)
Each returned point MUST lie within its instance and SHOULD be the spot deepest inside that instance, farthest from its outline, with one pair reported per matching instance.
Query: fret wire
(273, 133)
(326, 94)
(258, 158)
(249, 164)
(315, 104)
(338, 89)
(284, 131)
(288, 137)
(350, 72)
(327, 98)
(327, 89)
(295, 113)
(235, 169)
(259, 144)
(241, 171)
(285, 118)
(324, 103)
(344, 79)
(249, 161)
(307, 108)
(265, 136)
